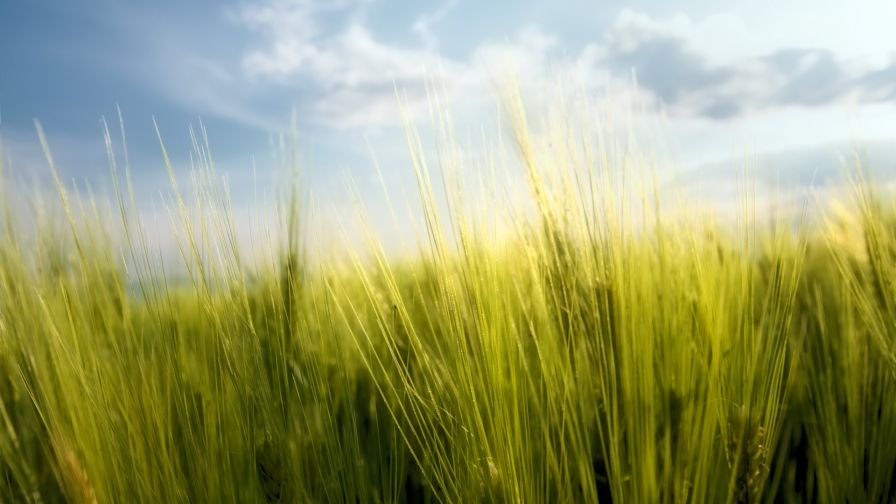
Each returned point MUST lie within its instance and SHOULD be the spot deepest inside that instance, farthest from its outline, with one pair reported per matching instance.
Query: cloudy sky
(765, 75)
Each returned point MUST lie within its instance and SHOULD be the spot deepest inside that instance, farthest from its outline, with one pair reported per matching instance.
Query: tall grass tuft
(596, 340)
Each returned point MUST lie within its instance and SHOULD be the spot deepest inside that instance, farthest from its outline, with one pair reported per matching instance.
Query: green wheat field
(598, 339)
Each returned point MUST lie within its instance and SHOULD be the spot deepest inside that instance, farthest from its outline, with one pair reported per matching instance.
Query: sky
(794, 81)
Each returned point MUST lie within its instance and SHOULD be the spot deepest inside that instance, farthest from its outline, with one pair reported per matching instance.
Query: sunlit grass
(596, 342)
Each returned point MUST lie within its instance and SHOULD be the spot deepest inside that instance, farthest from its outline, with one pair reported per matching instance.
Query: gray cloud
(810, 77)
(721, 107)
(880, 84)
(684, 80)
(665, 66)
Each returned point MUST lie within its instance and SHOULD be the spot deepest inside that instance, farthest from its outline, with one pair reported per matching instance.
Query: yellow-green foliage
(597, 348)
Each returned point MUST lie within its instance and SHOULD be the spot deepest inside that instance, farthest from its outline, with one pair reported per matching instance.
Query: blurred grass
(598, 348)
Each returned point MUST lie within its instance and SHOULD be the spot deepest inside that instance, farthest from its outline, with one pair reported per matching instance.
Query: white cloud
(324, 58)
(353, 73)
(292, 27)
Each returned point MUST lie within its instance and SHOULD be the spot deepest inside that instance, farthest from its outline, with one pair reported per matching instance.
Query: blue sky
(764, 75)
